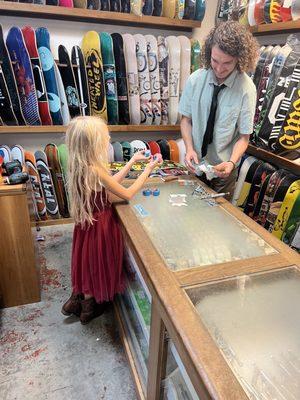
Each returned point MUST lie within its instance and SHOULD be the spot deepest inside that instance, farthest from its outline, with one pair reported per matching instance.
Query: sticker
(141, 211)
(178, 200)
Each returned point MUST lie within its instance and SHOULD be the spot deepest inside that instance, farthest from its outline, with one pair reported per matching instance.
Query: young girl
(97, 252)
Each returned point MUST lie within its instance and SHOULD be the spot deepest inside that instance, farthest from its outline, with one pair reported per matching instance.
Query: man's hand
(190, 159)
(224, 169)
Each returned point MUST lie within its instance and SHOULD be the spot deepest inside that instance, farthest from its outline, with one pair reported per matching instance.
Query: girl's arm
(127, 193)
(139, 156)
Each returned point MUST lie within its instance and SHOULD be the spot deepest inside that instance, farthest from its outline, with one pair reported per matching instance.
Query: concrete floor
(46, 356)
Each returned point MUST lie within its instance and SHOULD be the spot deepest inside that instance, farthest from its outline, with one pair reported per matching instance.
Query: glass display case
(189, 232)
(255, 322)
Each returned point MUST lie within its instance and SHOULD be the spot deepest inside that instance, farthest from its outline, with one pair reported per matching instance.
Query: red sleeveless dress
(97, 254)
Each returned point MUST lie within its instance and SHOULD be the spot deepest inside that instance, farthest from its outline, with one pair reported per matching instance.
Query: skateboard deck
(185, 61)
(47, 61)
(7, 114)
(17, 153)
(5, 153)
(260, 64)
(267, 12)
(110, 153)
(259, 15)
(152, 53)
(241, 178)
(200, 10)
(174, 77)
(144, 80)
(65, 113)
(118, 151)
(243, 12)
(147, 7)
(292, 227)
(63, 160)
(66, 3)
(115, 5)
(69, 83)
(24, 75)
(104, 5)
(169, 8)
(47, 184)
(174, 151)
(80, 3)
(123, 103)
(242, 199)
(275, 11)
(154, 147)
(125, 6)
(179, 9)
(37, 192)
(195, 55)
(132, 78)
(157, 8)
(136, 7)
(10, 80)
(126, 147)
(57, 178)
(295, 10)
(251, 9)
(79, 70)
(164, 149)
(182, 150)
(109, 71)
(92, 52)
(52, 2)
(30, 41)
(286, 10)
(163, 64)
(93, 4)
(137, 145)
(189, 9)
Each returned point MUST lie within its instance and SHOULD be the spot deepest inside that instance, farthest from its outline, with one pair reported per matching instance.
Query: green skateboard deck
(195, 55)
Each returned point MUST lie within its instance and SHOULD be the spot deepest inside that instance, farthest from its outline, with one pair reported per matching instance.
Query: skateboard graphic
(144, 80)
(286, 10)
(109, 71)
(241, 178)
(136, 7)
(295, 10)
(163, 64)
(195, 55)
(242, 199)
(47, 61)
(185, 61)
(259, 14)
(7, 114)
(200, 10)
(123, 103)
(30, 41)
(152, 53)
(79, 71)
(275, 10)
(92, 53)
(125, 6)
(115, 5)
(23, 75)
(157, 8)
(251, 8)
(147, 7)
(189, 9)
(137, 145)
(54, 165)
(290, 234)
(132, 79)
(47, 184)
(169, 8)
(68, 78)
(65, 113)
(174, 77)
(267, 12)
(126, 147)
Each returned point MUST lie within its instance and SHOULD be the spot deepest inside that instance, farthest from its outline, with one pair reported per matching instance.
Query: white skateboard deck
(62, 95)
(185, 61)
(251, 8)
(154, 78)
(132, 79)
(163, 62)
(144, 80)
(242, 175)
(182, 150)
(295, 10)
(137, 145)
(174, 77)
(179, 9)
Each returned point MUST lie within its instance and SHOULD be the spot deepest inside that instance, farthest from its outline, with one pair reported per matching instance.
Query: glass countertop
(196, 234)
(255, 321)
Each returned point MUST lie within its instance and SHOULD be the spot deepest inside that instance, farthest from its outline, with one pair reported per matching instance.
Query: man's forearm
(186, 133)
(239, 148)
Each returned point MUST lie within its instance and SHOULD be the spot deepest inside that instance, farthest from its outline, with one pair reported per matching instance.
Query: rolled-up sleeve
(246, 115)
(185, 104)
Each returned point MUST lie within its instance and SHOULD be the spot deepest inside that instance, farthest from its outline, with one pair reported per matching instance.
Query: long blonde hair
(87, 139)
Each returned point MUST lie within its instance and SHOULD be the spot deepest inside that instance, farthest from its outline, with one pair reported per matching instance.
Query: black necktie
(209, 131)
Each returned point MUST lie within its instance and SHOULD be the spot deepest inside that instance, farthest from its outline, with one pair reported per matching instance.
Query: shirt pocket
(226, 124)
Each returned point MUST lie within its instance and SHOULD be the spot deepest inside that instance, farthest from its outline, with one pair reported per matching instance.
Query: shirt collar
(228, 81)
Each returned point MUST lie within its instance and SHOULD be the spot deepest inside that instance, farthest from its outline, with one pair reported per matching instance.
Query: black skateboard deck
(79, 70)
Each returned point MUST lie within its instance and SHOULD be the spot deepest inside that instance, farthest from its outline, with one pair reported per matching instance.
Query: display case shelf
(84, 15)
(46, 129)
(276, 28)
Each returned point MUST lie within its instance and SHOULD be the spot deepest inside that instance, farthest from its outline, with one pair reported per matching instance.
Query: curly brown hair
(233, 39)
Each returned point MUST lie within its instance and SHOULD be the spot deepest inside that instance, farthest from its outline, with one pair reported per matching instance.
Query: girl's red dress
(97, 254)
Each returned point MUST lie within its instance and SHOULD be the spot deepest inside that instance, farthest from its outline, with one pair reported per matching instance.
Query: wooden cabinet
(184, 263)
(19, 283)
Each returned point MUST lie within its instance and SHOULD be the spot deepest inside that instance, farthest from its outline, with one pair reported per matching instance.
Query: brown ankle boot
(72, 305)
(90, 310)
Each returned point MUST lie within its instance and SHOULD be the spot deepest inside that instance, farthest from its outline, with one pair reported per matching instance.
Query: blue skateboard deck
(47, 60)
(200, 10)
(24, 76)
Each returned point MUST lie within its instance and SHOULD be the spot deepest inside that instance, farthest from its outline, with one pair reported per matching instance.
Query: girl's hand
(140, 156)
(155, 161)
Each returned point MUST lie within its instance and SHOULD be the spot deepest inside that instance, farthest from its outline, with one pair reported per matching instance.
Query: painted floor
(46, 356)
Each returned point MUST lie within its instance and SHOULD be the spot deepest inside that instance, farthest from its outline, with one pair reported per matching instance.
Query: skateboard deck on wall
(118, 151)
(243, 12)
(259, 14)
(104, 5)
(23, 75)
(79, 71)
(63, 159)
(47, 61)
(189, 9)
(109, 71)
(154, 147)
(163, 64)
(267, 12)
(182, 150)
(123, 103)
(17, 153)
(93, 4)
(286, 10)
(185, 61)
(137, 145)
(7, 114)
(287, 206)
(136, 7)
(144, 80)
(92, 52)
(260, 64)
(152, 53)
(169, 8)
(246, 184)
(51, 152)
(52, 2)
(195, 55)
(47, 184)
(69, 83)
(200, 10)
(164, 149)
(275, 11)
(126, 147)
(174, 77)
(241, 178)
(179, 9)
(174, 151)
(147, 7)
(291, 234)
(125, 6)
(80, 3)
(30, 41)
(295, 10)
(157, 8)
(132, 78)
(115, 5)
(65, 113)
(10, 80)
(251, 9)
(38, 196)
(66, 3)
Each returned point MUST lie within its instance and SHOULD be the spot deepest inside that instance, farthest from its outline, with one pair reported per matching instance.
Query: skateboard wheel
(156, 192)
(147, 192)
(147, 153)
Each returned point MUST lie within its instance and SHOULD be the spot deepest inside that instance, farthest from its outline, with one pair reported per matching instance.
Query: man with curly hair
(218, 104)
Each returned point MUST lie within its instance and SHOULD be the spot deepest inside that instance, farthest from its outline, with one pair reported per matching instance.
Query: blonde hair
(87, 140)
(233, 39)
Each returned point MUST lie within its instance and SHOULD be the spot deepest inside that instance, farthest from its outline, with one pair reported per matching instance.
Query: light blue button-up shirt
(234, 116)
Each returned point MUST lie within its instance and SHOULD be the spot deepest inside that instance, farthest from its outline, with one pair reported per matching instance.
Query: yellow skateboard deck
(91, 49)
(169, 8)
